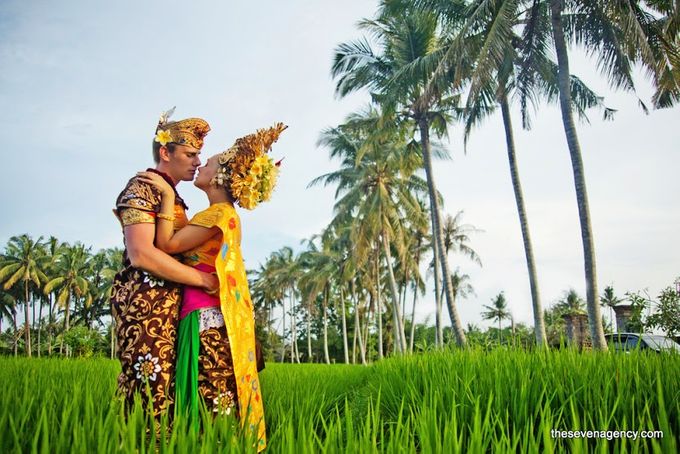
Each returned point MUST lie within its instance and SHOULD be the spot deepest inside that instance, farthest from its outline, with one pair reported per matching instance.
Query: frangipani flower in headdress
(190, 131)
(246, 170)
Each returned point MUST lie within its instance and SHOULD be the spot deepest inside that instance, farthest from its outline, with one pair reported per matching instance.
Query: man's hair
(157, 150)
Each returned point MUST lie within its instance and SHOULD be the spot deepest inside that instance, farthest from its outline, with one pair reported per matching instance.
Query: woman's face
(206, 173)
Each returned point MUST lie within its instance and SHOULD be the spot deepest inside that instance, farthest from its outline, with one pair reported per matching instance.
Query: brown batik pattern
(145, 310)
(216, 381)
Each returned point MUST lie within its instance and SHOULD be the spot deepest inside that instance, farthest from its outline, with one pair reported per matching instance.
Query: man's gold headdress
(190, 131)
(246, 170)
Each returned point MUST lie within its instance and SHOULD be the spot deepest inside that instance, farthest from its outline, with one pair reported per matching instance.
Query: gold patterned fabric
(130, 216)
(237, 310)
(190, 131)
(145, 310)
(216, 380)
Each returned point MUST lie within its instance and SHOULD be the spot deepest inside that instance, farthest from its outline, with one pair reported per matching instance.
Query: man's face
(183, 162)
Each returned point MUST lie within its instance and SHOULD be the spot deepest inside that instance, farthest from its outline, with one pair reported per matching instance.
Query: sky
(83, 83)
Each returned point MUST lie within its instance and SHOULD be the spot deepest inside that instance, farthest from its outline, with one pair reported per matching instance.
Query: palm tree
(610, 300)
(461, 285)
(8, 308)
(456, 239)
(417, 248)
(96, 305)
(488, 33)
(284, 270)
(324, 266)
(497, 311)
(620, 34)
(266, 297)
(72, 265)
(24, 262)
(53, 250)
(397, 79)
(570, 303)
(377, 193)
(312, 283)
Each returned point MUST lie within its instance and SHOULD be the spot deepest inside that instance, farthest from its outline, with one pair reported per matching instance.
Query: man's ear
(164, 153)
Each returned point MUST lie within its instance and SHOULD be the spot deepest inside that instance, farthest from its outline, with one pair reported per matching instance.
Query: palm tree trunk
(33, 315)
(378, 304)
(357, 324)
(563, 76)
(512, 330)
(16, 330)
(309, 337)
(326, 356)
(439, 331)
(367, 335)
(539, 324)
(269, 319)
(66, 323)
(294, 355)
(413, 319)
(399, 341)
(437, 231)
(40, 324)
(500, 333)
(292, 332)
(415, 294)
(354, 345)
(344, 326)
(27, 320)
(403, 308)
(50, 315)
(283, 334)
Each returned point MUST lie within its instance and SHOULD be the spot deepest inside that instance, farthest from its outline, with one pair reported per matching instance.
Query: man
(146, 294)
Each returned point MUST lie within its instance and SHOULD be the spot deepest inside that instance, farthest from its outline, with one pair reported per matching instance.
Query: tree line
(429, 65)
(64, 292)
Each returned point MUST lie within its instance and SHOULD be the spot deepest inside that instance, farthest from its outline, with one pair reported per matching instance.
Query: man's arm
(144, 255)
(167, 240)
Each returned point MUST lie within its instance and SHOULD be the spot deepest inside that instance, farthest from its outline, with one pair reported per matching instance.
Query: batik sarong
(145, 310)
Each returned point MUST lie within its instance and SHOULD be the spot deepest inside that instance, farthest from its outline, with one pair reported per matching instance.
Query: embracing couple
(184, 318)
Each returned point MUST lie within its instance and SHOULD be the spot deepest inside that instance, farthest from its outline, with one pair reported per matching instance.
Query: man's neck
(163, 170)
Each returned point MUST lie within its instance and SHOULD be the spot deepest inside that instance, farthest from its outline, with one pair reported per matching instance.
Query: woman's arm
(167, 239)
(144, 255)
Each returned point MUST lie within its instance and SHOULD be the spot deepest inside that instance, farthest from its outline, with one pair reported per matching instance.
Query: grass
(440, 402)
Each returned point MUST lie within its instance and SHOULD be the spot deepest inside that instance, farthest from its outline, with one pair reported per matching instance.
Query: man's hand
(139, 240)
(212, 283)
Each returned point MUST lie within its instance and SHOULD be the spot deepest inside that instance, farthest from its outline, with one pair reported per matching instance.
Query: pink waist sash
(195, 297)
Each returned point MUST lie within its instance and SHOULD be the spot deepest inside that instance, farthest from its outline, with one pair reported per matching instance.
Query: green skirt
(188, 344)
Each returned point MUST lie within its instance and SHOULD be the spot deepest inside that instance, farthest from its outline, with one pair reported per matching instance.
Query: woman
(216, 355)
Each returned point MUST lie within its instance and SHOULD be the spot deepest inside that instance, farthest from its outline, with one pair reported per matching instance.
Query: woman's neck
(218, 195)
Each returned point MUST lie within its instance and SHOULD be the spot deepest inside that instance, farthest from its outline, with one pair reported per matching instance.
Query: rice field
(439, 402)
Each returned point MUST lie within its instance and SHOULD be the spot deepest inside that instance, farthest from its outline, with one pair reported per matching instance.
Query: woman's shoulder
(214, 215)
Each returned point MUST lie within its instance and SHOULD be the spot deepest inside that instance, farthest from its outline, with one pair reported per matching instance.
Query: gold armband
(167, 217)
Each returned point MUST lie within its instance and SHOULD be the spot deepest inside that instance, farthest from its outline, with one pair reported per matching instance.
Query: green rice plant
(503, 400)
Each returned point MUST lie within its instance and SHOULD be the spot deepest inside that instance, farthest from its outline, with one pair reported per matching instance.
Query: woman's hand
(158, 181)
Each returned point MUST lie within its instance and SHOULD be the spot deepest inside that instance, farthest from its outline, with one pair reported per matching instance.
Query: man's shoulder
(139, 194)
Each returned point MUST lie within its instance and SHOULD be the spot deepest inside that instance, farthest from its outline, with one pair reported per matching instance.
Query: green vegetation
(445, 401)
